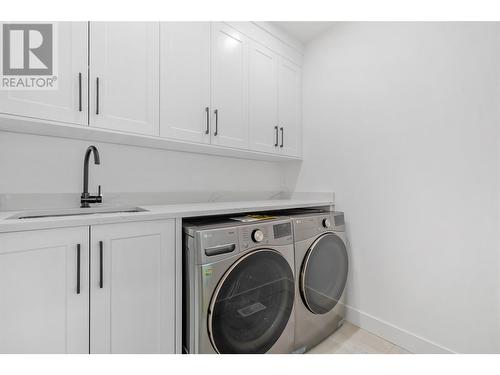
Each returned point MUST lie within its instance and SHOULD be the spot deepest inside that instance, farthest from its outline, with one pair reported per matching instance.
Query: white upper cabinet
(229, 84)
(44, 291)
(124, 71)
(185, 81)
(289, 107)
(68, 102)
(263, 99)
(132, 288)
(229, 87)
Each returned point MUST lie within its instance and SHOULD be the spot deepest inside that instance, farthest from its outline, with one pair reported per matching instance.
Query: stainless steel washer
(321, 266)
(239, 287)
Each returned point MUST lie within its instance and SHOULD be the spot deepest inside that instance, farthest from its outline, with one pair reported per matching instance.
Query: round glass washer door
(324, 273)
(252, 303)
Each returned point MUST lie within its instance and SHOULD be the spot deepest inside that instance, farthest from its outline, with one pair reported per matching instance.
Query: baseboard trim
(394, 334)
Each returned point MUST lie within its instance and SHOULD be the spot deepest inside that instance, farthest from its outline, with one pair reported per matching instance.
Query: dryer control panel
(310, 225)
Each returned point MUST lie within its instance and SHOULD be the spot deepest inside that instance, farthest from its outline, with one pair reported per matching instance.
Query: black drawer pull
(207, 110)
(78, 266)
(97, 96)
(216, 112)
(79, 92)
(101, 282)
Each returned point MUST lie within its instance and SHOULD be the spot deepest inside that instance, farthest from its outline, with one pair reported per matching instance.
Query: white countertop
(156, 212)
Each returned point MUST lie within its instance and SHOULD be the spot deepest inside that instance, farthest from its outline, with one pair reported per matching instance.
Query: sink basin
(75, 212)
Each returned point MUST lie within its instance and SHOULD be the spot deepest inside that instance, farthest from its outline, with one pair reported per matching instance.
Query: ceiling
(304, 31)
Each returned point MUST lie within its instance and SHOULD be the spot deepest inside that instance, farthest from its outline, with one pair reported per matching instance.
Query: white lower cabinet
(41, 308)
(132, 286)
(107, 288)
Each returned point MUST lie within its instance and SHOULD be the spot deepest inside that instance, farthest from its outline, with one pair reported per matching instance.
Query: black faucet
(86, 197)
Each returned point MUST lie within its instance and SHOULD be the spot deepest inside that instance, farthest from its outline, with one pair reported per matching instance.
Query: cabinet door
(70, 63)
(124, 65)
(185, 81)
(41, 308)
(133, 288)
(289, 105)
(263, 99)
(229, 87)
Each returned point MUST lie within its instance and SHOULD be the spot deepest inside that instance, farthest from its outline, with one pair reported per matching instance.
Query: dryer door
(324, 273)
(252, 303)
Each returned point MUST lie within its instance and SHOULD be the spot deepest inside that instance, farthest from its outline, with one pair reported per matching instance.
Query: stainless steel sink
(75, 212)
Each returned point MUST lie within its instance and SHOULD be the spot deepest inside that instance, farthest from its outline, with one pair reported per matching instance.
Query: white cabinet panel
(41, 310)
(124, 67)
(289, 106)
(133, 303)
(185, 81)
(263, 99)
(229, 87)
(63, 103)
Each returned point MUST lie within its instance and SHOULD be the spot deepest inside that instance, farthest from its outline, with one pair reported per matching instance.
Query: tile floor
(350, 339)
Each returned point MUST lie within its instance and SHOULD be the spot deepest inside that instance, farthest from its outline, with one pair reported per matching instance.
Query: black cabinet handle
(216, 112)
(78, 269)
(282, 137)
(100, 265)
(79, 92)
(207, 110)
(97, 95)
(277, 136)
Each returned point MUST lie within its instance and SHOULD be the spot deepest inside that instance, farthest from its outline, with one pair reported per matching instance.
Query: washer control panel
(282, 230)
(271, 233)
(228, 237)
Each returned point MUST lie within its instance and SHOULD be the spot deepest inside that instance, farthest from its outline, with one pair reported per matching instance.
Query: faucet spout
(90, 150)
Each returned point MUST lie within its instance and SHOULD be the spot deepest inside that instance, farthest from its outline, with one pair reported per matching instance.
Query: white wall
(401, 121)
(31, 164)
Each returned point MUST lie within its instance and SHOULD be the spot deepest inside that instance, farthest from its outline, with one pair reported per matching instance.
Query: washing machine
(239, 287)
(321, 267)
